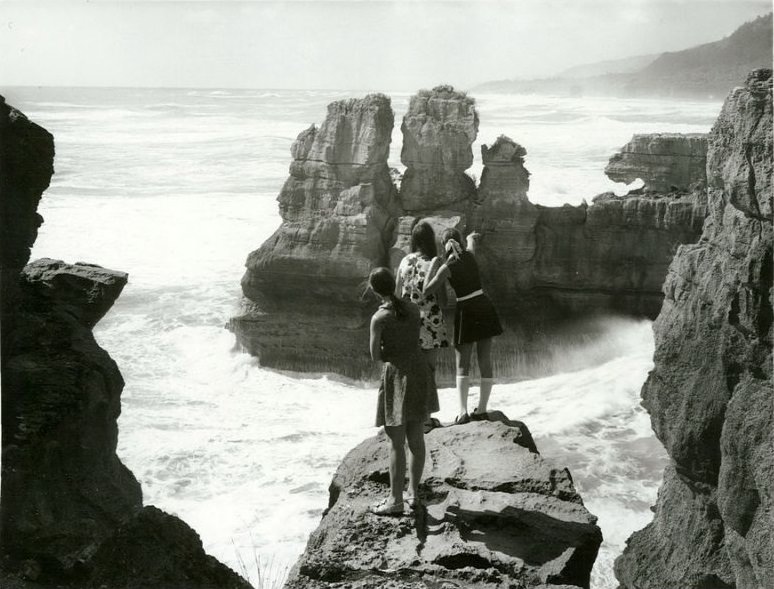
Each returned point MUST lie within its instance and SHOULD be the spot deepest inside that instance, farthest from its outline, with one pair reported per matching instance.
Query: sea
(177, 186)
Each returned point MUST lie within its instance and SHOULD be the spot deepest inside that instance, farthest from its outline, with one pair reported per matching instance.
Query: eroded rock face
(496, 515)
(337, 207)
(438, 132)
(710, 393)
(65, 493)
(665, 162)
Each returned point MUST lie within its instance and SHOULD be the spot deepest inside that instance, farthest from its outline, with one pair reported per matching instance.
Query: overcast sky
(363, 45)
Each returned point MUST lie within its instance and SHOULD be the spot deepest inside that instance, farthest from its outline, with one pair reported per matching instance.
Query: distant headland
(707, 71)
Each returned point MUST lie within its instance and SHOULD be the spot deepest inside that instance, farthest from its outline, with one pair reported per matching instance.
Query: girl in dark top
(475, 319)
(407, 393)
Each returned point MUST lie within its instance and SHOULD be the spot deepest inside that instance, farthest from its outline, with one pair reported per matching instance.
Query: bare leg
(484, 353)
(397, 435)
(463, 353)
(416, 442)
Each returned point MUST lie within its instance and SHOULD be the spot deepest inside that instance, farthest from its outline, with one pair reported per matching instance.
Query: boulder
(155, 549)
(495, 514)
(710, 392)
(665, 162)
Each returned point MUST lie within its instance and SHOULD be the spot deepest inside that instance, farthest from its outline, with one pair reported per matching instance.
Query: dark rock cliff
(496, 514)
(710, 394)
(70, 509)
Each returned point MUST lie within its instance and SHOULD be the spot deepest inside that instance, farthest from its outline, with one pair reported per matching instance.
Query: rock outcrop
(339, 209)
(496, 514)
(665, 162)
(438, 131)
(710, 394)
(540, 265)
(66, 497)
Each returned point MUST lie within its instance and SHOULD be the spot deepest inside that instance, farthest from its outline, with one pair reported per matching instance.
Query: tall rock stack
(438, 132)
(506, 218)
(339, 208)
(336, 208)
(710, 394)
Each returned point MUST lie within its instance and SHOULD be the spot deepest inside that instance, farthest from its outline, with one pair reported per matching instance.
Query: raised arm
(472, 241)
(435, 277)
(375, 342)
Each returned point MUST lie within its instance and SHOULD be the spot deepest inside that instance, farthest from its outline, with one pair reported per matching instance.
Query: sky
(344, 44)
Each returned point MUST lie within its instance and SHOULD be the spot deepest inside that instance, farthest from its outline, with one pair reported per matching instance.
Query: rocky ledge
(495, 514)
(71, 512)
(711, 395)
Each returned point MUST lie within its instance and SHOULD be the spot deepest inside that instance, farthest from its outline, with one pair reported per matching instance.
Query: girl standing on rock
(407, 393)
(415, 269)
(475, 319)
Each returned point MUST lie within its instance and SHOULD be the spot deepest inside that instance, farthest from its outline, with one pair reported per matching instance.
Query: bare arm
(399, 282)
(473, 240)
(436, 282)
(431, 272)
(375, 342)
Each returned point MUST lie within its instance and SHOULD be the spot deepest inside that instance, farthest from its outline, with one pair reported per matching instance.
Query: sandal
(476, 416)
(386, 508)
(462, 419)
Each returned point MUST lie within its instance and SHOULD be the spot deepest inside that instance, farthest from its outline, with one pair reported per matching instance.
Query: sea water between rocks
(177, 186)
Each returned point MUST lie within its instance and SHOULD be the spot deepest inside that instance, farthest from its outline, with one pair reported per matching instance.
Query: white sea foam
(177, 187)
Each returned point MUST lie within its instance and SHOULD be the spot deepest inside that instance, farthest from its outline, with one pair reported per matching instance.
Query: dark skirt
(475, 319)
(406, 393)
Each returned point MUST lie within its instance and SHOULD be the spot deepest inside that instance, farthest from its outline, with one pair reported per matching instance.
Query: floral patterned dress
(413, 273)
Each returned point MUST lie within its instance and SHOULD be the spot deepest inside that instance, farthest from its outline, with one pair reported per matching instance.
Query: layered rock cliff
(495, 514)
(339, 209)
(541, 265)
(710, 394)
(66, 496)
(670, 161)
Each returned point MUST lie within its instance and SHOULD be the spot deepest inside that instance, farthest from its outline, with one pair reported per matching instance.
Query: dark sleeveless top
(464, 277)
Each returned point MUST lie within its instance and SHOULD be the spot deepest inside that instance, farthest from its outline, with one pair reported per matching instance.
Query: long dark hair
(448, 235)
(382, 283)
(423, 240)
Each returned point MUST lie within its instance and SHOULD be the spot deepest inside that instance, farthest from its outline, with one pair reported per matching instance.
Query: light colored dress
(407, 389)
(413, 271)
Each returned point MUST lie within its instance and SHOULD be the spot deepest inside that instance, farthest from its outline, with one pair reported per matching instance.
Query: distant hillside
(627, 65)
(704, 71)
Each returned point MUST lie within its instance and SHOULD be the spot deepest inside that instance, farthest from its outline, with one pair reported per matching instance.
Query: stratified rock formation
(496, 515)
(438, 132)
(336, 208)
(65, 493)
(507, 218)
(710, 394)
(541, 265)
(670, 161)
(338, 213)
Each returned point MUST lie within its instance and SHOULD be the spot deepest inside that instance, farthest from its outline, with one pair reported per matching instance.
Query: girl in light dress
(475, 319)
(407, 393)
(414, 271)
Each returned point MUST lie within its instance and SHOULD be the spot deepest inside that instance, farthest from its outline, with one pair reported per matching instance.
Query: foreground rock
(66, 497)
(710, 394)
(496, 515)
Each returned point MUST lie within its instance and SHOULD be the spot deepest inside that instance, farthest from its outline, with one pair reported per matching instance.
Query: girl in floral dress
(414, 271)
